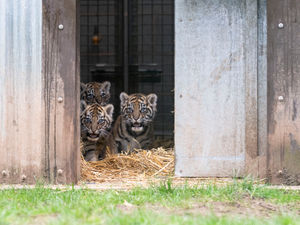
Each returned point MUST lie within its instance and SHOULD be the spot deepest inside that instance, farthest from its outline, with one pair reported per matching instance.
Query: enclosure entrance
(131, 44)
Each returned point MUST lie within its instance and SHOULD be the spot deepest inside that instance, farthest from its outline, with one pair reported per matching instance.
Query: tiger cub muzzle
(137, 127)
(96, 121)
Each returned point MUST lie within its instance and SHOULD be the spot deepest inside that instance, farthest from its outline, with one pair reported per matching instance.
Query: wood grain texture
(250, 42)
(38, 64)
(21, 91)
(61, 79)
(284, 80)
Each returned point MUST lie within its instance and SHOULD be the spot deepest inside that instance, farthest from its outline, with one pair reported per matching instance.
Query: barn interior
(131, 44)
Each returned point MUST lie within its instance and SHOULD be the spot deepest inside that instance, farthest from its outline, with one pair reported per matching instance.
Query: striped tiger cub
(95, 124)
(134, 127)
(95, 92)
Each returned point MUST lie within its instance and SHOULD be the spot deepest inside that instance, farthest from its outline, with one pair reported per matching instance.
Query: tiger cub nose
(96, 132)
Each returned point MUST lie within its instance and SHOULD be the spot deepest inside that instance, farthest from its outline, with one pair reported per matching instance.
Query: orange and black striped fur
(95, 124)
(133, 129)
(95, 92)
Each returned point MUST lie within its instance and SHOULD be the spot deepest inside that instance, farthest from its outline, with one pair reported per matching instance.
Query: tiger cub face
(138, 110)
(95, 92)
(96, 121)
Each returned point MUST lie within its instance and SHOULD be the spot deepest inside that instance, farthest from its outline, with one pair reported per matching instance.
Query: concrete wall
(216, 74)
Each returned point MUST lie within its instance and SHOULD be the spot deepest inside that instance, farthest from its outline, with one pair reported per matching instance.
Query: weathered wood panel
(39, 135)
(61, 76)
(215, 87)
(256, 164)
(21, 91)
(284, 91)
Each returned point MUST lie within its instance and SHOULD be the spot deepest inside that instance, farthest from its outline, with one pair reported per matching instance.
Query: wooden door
(284, 91)
(39, 92)
(215, 87)
(61, 90)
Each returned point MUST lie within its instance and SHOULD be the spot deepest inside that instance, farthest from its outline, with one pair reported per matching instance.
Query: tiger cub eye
(88, 120)
(129, 110)
(101, 121)
(103, 94)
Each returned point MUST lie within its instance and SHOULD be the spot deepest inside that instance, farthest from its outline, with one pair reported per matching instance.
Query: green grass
(42, 205)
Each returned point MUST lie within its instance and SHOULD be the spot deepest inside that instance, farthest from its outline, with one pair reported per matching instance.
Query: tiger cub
(134, 127)
(95, 124)
(95, 92)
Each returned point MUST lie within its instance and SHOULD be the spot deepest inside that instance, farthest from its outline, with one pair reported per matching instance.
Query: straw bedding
(138, 164)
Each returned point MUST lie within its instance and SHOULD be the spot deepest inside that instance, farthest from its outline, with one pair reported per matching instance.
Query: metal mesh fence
(131, 44)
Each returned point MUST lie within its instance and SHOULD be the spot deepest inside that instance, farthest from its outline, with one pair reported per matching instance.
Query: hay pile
(139, 164)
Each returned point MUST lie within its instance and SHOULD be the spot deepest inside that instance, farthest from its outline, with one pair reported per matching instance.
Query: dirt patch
(111, 183)
(145, 182)
(255, 208)
(127, 207)
(246, 208)
(42, 219)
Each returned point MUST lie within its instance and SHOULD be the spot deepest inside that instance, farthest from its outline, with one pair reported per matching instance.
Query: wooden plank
(39, 136)
(250, 41)
(215, 87)
(21, 91)
(256, 157)
(283, 80)
(61, 76)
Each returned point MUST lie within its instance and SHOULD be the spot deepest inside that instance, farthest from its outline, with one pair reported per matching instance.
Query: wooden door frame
(283, 153)
(256, 122)
(61, 76)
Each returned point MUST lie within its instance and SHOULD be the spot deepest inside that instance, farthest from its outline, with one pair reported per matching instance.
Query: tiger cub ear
(109, 109)
(106, 86)
(83, 106)
(123, 97)
(152, 99)
(82, 87)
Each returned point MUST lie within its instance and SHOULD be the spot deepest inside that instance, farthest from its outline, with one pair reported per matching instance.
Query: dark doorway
(131, 44)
